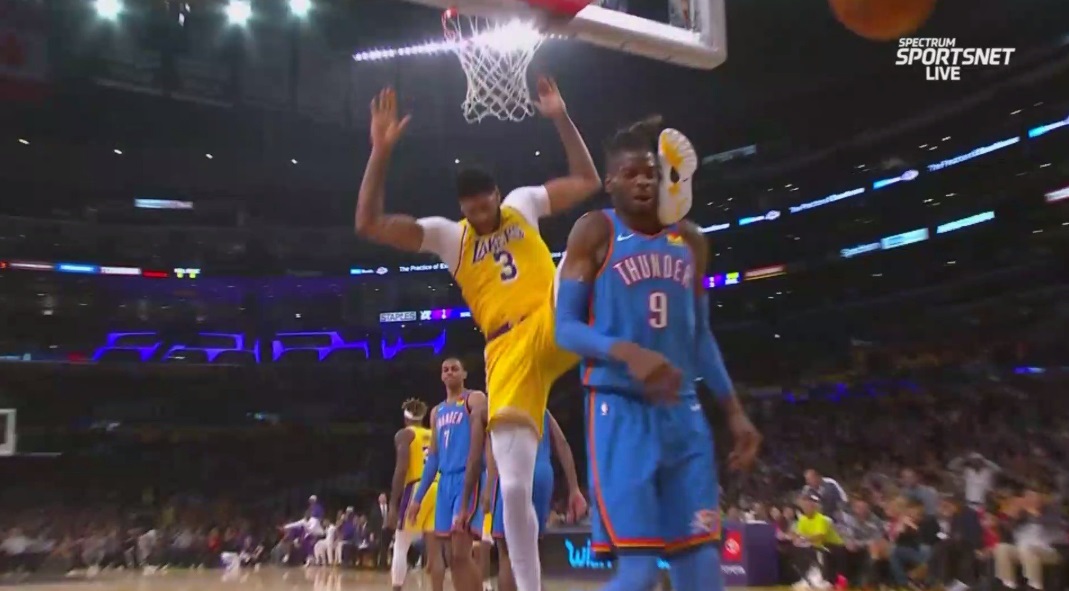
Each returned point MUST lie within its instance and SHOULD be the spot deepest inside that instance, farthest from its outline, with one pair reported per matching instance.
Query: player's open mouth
(644, 197)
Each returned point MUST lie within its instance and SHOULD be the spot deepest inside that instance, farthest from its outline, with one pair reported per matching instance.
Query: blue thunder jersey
(644, 293)
(453, 432)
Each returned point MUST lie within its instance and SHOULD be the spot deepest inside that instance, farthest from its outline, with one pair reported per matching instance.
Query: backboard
(699, 42)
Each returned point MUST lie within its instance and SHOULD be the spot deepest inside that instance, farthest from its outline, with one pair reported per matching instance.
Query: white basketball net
(495, 56)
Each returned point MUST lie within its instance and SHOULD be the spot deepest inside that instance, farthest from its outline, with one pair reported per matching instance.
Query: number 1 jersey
(644, 293)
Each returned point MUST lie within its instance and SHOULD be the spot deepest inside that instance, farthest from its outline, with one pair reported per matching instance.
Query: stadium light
(300, 8)
(24, 141)
(108, 9)
(238, 12)
(117, 151)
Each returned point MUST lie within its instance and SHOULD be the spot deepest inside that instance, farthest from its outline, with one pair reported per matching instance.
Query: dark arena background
(193, 340)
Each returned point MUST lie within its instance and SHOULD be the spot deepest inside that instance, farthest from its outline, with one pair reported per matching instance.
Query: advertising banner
(747, 555)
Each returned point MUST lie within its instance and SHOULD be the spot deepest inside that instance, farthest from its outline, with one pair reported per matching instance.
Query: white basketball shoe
(679, 162)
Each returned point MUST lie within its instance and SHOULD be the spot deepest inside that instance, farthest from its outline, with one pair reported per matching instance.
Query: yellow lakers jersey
(417, 453)
(504, 276)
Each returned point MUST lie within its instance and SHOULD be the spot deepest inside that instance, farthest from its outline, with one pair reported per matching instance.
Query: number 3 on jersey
(658, 316)
(504, 259)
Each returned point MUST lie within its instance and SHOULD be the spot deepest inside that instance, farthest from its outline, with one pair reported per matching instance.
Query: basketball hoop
(494, 55)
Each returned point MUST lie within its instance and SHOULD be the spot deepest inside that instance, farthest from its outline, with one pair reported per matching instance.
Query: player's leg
(542, 496)
(517, 402)
(689, 499)
(505, 580)
(515, 449)
(435, 561)
(487, 547)
(402, 540)
(402, 543)
(461, 540)
(622, 457)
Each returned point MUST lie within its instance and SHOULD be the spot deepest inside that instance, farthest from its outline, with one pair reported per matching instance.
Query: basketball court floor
(268, 579)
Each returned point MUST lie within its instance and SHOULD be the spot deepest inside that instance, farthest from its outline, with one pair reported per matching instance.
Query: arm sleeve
(710, 361)
(442, 237)
(531, 202)
(430, 470)
(573, 332)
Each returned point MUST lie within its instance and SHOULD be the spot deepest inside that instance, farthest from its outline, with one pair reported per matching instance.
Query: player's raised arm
(577, 505)
(711, 363)
(478, 418)
(402, 441)
(583, 180)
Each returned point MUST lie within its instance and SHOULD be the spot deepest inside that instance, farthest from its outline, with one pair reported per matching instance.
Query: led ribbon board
(1043, 129)
(905, 238)
(973, 154)
(972, 220)
(1058, 195)
(827, 200)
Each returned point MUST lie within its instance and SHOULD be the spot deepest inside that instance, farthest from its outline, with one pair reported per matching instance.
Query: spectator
(914, 490)
(182, 548)
(978, 475)
(377, 520)
(833, 498)
(365, 542)
(814, 533)
(962, 537)
(860, 530)
(13, 550)
(1035, 526)
(918, 533)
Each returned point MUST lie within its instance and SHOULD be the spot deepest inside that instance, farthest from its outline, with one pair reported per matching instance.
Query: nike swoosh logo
(622, 237)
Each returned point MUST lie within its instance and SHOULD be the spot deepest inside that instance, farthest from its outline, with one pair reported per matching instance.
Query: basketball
(882, 20)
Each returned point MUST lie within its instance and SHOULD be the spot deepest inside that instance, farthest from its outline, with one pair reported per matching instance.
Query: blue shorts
(449, 506)
(652, 472)
(543, 496)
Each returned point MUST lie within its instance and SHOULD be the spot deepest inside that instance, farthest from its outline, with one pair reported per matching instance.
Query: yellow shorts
(521, 366)
(424, 521)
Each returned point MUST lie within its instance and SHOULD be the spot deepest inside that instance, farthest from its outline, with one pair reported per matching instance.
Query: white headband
(410, 416)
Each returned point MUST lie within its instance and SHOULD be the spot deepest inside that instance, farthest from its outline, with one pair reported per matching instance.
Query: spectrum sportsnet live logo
(943, 59)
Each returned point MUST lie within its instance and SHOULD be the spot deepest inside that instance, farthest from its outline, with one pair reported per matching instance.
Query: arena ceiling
(793, 72)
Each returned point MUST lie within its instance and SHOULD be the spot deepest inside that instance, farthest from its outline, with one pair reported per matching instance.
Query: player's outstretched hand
(549, 102)
(747, 442)
(661, 379)
(577, 506)
(386, 129)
